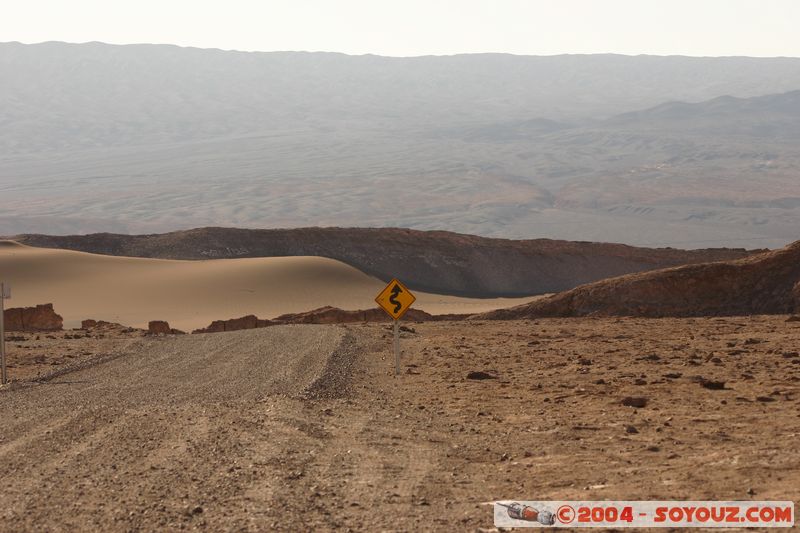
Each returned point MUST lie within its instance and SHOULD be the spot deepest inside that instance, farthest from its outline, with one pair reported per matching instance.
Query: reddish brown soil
(210, 432)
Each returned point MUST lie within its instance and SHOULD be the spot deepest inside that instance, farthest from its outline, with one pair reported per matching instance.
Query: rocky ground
(307, 428)
(33, 355)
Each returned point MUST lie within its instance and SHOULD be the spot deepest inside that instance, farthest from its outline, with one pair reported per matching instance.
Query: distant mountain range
(776, 115)
(655, 151)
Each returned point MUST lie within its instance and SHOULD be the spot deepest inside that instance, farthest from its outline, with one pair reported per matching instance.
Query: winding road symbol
(396, 290)
(395, 299)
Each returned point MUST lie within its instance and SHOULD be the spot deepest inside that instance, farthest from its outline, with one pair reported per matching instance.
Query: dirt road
(164, 431)
(305, 428)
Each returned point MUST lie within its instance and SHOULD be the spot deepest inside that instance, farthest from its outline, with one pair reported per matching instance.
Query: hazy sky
(418, 27)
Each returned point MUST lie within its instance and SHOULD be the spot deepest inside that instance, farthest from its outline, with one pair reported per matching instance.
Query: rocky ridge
(766, 283)
(432, 261)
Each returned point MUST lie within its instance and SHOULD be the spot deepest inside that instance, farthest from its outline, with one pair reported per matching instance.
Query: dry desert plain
(306, 428)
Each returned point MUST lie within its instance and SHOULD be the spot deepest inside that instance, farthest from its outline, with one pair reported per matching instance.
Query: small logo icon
(517, 511)
(566, 514)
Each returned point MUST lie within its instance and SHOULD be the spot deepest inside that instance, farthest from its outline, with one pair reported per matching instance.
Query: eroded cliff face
(40, 318)
(766, 283)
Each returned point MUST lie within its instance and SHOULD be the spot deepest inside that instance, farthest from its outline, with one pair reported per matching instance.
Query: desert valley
(252, 291)
(677, 381)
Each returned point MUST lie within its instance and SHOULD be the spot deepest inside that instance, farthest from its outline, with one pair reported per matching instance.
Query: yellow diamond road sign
(395, 299)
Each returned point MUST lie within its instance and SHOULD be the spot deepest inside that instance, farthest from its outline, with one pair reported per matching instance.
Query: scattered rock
(634, 401)
(711, 384)
(793, 318)
(765, 399)
(98, 324)
(480, 375)
(673, 375)
(322, 315)
(334, 315)
(631, 429)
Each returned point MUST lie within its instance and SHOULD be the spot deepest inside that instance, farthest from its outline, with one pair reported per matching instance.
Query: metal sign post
(396, 299)
(396, 347)
(5, 292)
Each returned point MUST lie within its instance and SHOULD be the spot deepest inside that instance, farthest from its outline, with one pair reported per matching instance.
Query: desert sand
(191, 294)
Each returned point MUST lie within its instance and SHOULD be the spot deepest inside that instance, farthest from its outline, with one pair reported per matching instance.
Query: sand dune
(190, 294)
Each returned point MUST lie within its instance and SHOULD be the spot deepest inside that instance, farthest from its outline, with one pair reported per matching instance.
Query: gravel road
(158, 434)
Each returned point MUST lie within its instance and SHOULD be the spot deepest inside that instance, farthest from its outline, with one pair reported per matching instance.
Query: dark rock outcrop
(40, 318)
(158, 327)
(334, 315)
(323, 315)
(161, 327)
(235, 324)
(767, 283)
(90, 324)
